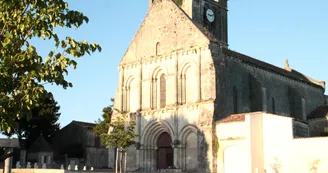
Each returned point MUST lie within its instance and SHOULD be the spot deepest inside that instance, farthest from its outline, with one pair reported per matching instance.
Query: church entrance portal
(164, 152)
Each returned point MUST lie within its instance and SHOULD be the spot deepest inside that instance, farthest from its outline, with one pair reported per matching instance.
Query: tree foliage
(44, 121)
(23, 72)
(122, 134)
(102, 124)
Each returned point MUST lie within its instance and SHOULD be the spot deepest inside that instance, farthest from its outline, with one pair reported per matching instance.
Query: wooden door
(164, 152)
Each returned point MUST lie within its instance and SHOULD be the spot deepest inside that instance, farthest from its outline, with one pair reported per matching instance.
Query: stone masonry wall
(279, 90)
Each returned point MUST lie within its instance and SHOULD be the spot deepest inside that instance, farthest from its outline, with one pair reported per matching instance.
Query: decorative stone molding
(151, 59)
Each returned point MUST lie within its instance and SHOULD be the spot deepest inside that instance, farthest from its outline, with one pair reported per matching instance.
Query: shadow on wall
(187, 148)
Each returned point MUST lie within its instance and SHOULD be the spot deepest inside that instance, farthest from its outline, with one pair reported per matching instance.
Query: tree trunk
(116, 160)
(125, 153)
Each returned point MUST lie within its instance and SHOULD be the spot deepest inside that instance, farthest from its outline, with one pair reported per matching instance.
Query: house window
(45, 159)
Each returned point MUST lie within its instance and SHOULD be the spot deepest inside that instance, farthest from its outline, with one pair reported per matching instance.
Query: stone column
(176, 80)
(176, 157)
(138, 145)
(176, 154)
(153, 158)
(199, 93)
(140, 86)
(141, 159)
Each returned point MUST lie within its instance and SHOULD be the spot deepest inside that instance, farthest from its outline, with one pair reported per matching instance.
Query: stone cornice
(153, 59)
(176, 107)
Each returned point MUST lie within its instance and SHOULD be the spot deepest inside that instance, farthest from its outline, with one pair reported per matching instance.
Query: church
(183, 86)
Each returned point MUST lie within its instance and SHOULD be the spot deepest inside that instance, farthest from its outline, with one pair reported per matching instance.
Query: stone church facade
(178, 78)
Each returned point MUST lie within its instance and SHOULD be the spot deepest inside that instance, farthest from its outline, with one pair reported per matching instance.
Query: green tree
(23, 72)
(121, 135)
(102, 125)
(44, 121)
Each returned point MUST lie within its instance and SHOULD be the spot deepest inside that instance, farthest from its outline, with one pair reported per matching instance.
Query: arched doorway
(164, 152)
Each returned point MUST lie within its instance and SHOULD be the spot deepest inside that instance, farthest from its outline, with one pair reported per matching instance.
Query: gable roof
(285, 72)
(40, 145)
(166, 17)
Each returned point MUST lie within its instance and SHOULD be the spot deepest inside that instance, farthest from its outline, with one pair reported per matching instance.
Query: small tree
(102, 125)
(121, 136)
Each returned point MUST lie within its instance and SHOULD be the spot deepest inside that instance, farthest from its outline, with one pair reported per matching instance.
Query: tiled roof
(319, 112)
(233, 118)
(288, 73)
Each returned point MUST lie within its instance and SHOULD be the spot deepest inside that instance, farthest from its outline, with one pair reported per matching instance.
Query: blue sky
(267, 30)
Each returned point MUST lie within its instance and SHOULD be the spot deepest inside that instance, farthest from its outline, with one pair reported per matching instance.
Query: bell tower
(215, 19)
(210, 14)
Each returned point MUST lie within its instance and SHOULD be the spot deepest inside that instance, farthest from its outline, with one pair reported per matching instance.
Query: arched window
(158, 90)
(183, 88)
(153, 93)
(158, 46)
(162, 91)
(188, 88)
(130, 98)
(235, 100)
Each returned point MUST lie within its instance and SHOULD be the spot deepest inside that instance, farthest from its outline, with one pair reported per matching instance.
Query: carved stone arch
(186, 64)
(130, 80)
(157, 71)
(188, 75)
(130, 94)
(158, 87)
(189, 148)
(152, 131)
(187, 130)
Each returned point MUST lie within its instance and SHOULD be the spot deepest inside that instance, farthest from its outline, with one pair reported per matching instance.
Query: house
(41, 152)
(76, 144)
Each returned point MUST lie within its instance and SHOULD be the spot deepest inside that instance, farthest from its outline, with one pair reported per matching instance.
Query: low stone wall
(62, 171)
(36, 171)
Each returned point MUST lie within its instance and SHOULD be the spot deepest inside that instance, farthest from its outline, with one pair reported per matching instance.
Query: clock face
(210, 15)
